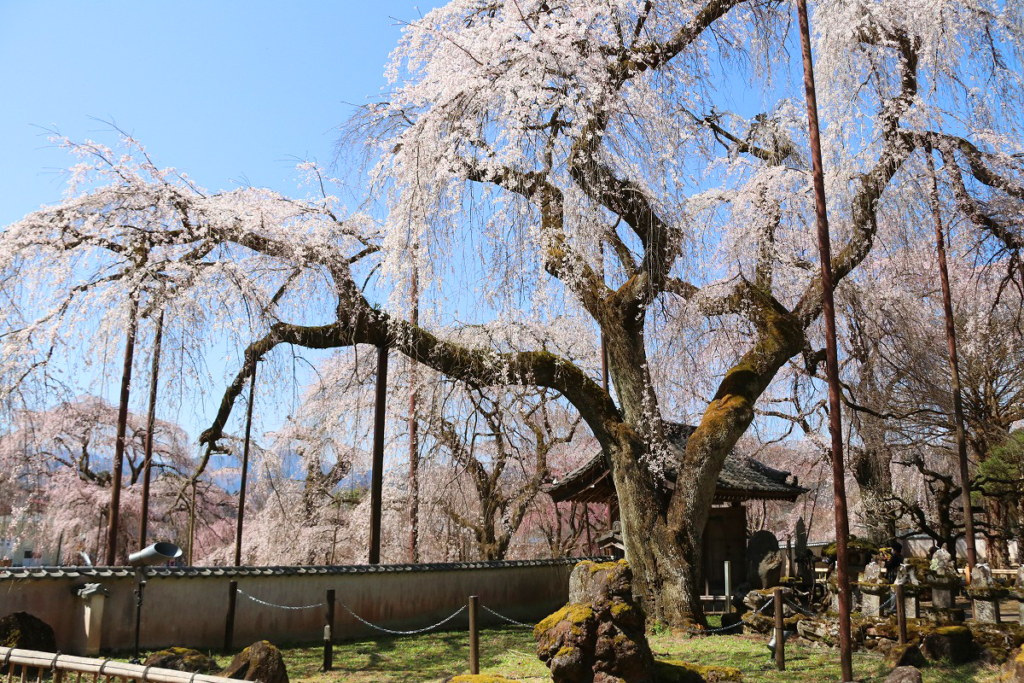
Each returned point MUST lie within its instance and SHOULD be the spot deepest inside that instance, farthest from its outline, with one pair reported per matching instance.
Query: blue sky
(226, 95)
(228, 92)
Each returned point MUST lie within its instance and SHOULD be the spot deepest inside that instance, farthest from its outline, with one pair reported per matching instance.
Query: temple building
(725, 536)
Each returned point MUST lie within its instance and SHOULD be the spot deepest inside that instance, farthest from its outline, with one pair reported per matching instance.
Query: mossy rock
(987, 593)
(575, 614)
(261, 661)
(677, 671)
(954, 644)
(26, 632)
(182, 659)
(853, 545)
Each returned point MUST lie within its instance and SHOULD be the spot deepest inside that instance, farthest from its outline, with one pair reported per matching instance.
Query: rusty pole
(954, 366)
(831, 354)
(122, 426)
(414, 442)
(245, 468)
(376, 470)
(154, 375)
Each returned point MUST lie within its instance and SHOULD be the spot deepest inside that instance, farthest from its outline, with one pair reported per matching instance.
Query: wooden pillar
(245, 469)
(414, 441)
(377, 468)
(122, 425)
(842, 521)
(229, 621)
(780, 631)
(147, 465)
(954, 370)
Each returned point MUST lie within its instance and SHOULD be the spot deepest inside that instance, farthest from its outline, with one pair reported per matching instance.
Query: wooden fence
(31, 666)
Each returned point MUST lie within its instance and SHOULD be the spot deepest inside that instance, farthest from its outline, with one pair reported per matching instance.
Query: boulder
(599, 636)
(949, 643)
(26, 632)
(182, 659)
(1013, 670)
(905, 655)
(904, 674)
(675, 671)
(764, 560)
(260, 661)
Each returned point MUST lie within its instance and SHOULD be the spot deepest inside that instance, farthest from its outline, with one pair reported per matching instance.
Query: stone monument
(986, 594)
(943, 579)
(874, 589)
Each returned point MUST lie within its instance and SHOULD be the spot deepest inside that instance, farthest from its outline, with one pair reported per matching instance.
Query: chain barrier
(270, 604)
(405, 633)
(508, 619)
(732, 627)
(800, 609)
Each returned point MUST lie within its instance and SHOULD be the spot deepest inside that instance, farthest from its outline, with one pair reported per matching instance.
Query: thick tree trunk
(870, 468)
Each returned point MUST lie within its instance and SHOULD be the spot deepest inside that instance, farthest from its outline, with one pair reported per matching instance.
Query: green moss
(620, 608)
(575, 614)
(855, 544)
(677, 671)
(954, 631)
(565, 651)
(480, 678)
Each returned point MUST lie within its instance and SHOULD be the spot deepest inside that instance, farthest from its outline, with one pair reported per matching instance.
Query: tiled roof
(740, 474)
(186, 572)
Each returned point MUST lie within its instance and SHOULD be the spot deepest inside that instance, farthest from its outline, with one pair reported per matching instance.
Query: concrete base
(987, 611)
(942, 598)
(872, 605)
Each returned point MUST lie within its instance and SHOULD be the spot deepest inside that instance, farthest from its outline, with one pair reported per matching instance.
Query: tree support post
(245, 469)
(954, 369)
(831, 353)
(122, 426)
(147, 466)
(377, 468)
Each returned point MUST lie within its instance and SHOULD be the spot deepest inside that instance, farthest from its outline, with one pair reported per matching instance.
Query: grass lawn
(510, 652)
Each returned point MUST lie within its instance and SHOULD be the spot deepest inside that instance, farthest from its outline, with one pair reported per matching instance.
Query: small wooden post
(780, 638)
(727, 570)
(901, 614)
(474, 637)
(229, 622)
(329, 633)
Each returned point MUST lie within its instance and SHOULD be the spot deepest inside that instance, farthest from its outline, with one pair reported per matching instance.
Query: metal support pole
(727, 569)
(245, 469)
(842, 520)
(474, 637)
(780, 634)
(377, 468)
(414, 441)
(141, 578)
(192, 527)
(954, 370)
(329, 633)
(901, 614)
(122, 425)
(147, 464)
(229, 622)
